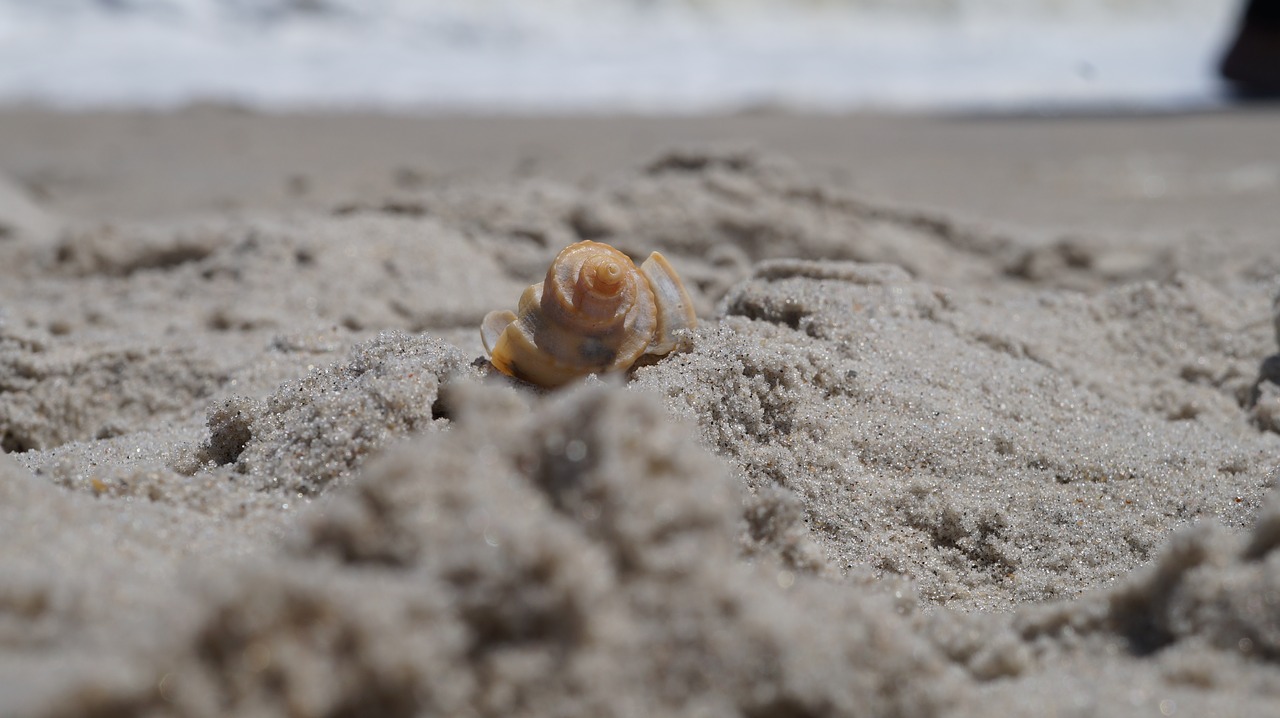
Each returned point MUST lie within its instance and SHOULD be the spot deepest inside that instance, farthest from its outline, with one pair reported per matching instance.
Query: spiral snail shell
(595, 312)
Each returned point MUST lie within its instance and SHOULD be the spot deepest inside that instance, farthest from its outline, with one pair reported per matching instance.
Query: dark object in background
(1252, 64)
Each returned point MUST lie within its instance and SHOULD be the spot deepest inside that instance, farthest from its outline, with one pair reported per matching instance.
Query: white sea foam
(613, 55)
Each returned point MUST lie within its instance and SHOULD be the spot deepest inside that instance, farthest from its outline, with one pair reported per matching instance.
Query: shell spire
(595, 312)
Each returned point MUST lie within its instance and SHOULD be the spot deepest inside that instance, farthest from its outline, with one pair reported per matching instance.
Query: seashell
(595, 312)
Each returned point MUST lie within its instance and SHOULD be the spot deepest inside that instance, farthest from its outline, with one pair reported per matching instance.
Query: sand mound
(995, 451)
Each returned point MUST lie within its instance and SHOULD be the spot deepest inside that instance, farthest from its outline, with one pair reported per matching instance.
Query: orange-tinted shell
(595, 312)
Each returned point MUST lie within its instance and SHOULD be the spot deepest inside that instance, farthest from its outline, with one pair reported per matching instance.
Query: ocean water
(648, 56)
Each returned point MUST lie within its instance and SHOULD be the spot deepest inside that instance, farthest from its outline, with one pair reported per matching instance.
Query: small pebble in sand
(595, 312)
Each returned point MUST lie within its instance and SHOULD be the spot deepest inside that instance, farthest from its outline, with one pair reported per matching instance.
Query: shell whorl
(591, 286)
(594, 312)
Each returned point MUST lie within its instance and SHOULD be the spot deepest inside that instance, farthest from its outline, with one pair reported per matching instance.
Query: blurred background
(610, 56)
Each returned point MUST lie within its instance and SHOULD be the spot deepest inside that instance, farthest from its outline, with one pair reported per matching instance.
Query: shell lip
(674, 305)
(491, 329)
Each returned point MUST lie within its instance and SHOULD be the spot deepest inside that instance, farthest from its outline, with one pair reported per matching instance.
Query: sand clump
(1007, 466)
(907, 465)
(312, 431)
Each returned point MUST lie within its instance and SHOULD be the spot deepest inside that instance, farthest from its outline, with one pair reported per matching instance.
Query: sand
(978, 419)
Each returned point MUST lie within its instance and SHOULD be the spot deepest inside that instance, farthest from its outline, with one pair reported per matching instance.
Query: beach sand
(977, 419)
